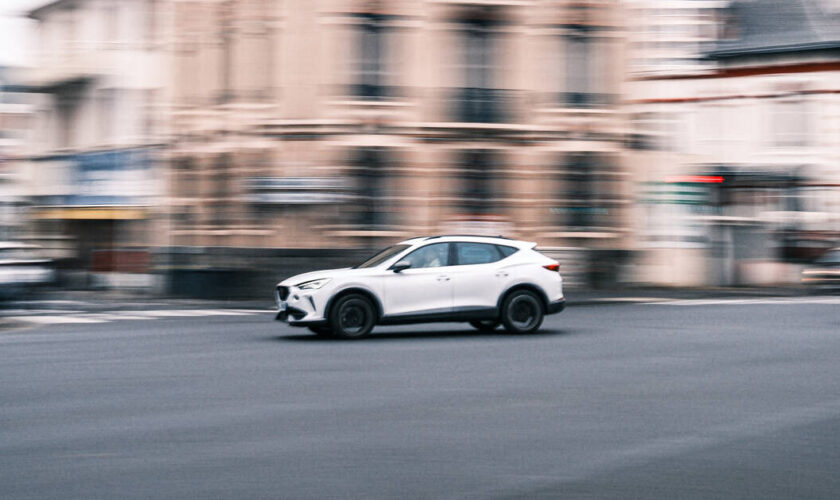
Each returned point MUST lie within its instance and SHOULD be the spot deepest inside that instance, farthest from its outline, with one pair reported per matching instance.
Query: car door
(477, 277)
(424, 288)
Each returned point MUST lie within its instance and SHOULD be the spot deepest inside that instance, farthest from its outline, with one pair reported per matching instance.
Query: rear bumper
(556, 306)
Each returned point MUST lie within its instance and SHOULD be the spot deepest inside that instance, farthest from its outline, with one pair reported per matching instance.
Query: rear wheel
(321, 331)
(352, 317)
(522, 312)
(485, 325)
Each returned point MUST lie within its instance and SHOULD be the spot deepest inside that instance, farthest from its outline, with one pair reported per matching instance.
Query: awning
(92, 213)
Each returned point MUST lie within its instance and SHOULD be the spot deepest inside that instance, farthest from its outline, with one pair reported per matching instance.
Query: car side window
(476, 253)
(506, 250)
(435, 255)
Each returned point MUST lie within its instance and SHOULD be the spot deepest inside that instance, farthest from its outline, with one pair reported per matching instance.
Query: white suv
(485, 281)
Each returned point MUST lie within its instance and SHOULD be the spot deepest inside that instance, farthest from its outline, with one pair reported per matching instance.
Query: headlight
(314, 284)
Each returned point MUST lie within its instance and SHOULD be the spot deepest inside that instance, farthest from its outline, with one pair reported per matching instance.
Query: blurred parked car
(825, 272)
(22, 270)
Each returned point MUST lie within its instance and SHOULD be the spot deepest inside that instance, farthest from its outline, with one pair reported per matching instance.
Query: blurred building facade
(96, 161)
(16, 117)
(669, 37)
(346, 124)
(231, 142)
(738, 158)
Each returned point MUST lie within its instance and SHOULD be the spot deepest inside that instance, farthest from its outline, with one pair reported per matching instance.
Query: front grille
(283, 292)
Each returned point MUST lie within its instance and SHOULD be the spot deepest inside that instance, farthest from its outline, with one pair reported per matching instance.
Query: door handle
(443, 278)
(501, 274)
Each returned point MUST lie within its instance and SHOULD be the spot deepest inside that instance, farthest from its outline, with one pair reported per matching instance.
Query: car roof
(496, 240)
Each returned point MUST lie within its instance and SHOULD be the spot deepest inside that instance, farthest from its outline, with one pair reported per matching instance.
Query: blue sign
(107, 178)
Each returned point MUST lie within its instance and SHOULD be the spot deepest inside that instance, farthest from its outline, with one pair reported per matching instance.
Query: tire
(352, 317)
(485, 325)
(321, 331)
(522, 312)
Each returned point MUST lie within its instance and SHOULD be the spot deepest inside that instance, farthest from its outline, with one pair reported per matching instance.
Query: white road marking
(632, 299)
(53, 317)
(37, 312)
(115, 317)
(178, 313)
(55, 320)
(167, 313)
(759, 301)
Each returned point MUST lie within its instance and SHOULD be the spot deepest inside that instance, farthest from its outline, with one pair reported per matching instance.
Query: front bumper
(287, 317)
(297, 308)
(556, 306)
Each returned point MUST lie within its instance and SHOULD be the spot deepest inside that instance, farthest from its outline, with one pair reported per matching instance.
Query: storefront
(101, 203)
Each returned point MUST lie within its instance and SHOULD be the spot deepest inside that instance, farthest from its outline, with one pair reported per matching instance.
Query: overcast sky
(15, 31)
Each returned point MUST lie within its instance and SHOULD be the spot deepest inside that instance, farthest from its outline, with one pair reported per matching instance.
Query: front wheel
(522, 312)
(352, 317)
(485, 325)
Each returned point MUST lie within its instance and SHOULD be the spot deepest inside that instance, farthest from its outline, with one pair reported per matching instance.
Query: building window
(588, 193)
(151, 31)
(184, 177)
(106, 112)
(370, 79)
(112, 21)
(66, 124)
(791, 123)
(220, 205)
(478, 57)
(227, 28)
(478, 100)
(373, 197)
(585, 79)
(653, 131)
(476, 184)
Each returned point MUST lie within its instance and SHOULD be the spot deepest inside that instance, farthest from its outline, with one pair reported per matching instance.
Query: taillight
(553, 267)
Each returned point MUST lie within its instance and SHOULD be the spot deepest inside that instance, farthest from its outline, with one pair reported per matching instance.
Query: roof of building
(779, 26)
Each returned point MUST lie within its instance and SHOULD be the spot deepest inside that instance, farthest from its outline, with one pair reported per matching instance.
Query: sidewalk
(108, 301)
(652, 294)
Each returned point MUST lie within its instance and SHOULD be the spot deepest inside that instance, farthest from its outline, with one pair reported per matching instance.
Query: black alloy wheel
(321, 331)
(522, 312)
(352, 317)
(487, 325)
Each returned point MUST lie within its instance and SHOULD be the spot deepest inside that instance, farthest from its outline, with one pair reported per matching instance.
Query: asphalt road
(614, 401)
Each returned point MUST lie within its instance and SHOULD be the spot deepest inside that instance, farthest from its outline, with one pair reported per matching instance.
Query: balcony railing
(479, 105)
(586, 99)
(373, 92)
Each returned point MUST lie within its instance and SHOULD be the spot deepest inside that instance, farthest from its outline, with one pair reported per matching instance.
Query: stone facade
(351, 124)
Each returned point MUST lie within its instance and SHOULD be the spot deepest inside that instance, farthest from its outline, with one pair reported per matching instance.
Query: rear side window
(476, 253)
(506, 251)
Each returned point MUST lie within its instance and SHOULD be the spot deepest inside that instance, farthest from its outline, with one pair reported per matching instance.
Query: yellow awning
(92, 213)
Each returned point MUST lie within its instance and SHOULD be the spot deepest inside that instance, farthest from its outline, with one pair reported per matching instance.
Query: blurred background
(210, 148)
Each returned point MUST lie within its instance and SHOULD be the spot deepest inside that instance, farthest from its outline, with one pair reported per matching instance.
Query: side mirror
(401, 266)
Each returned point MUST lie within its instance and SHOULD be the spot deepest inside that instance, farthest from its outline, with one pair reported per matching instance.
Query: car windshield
(382, 255)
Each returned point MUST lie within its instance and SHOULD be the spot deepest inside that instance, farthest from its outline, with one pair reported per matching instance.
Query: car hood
(345, 272)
